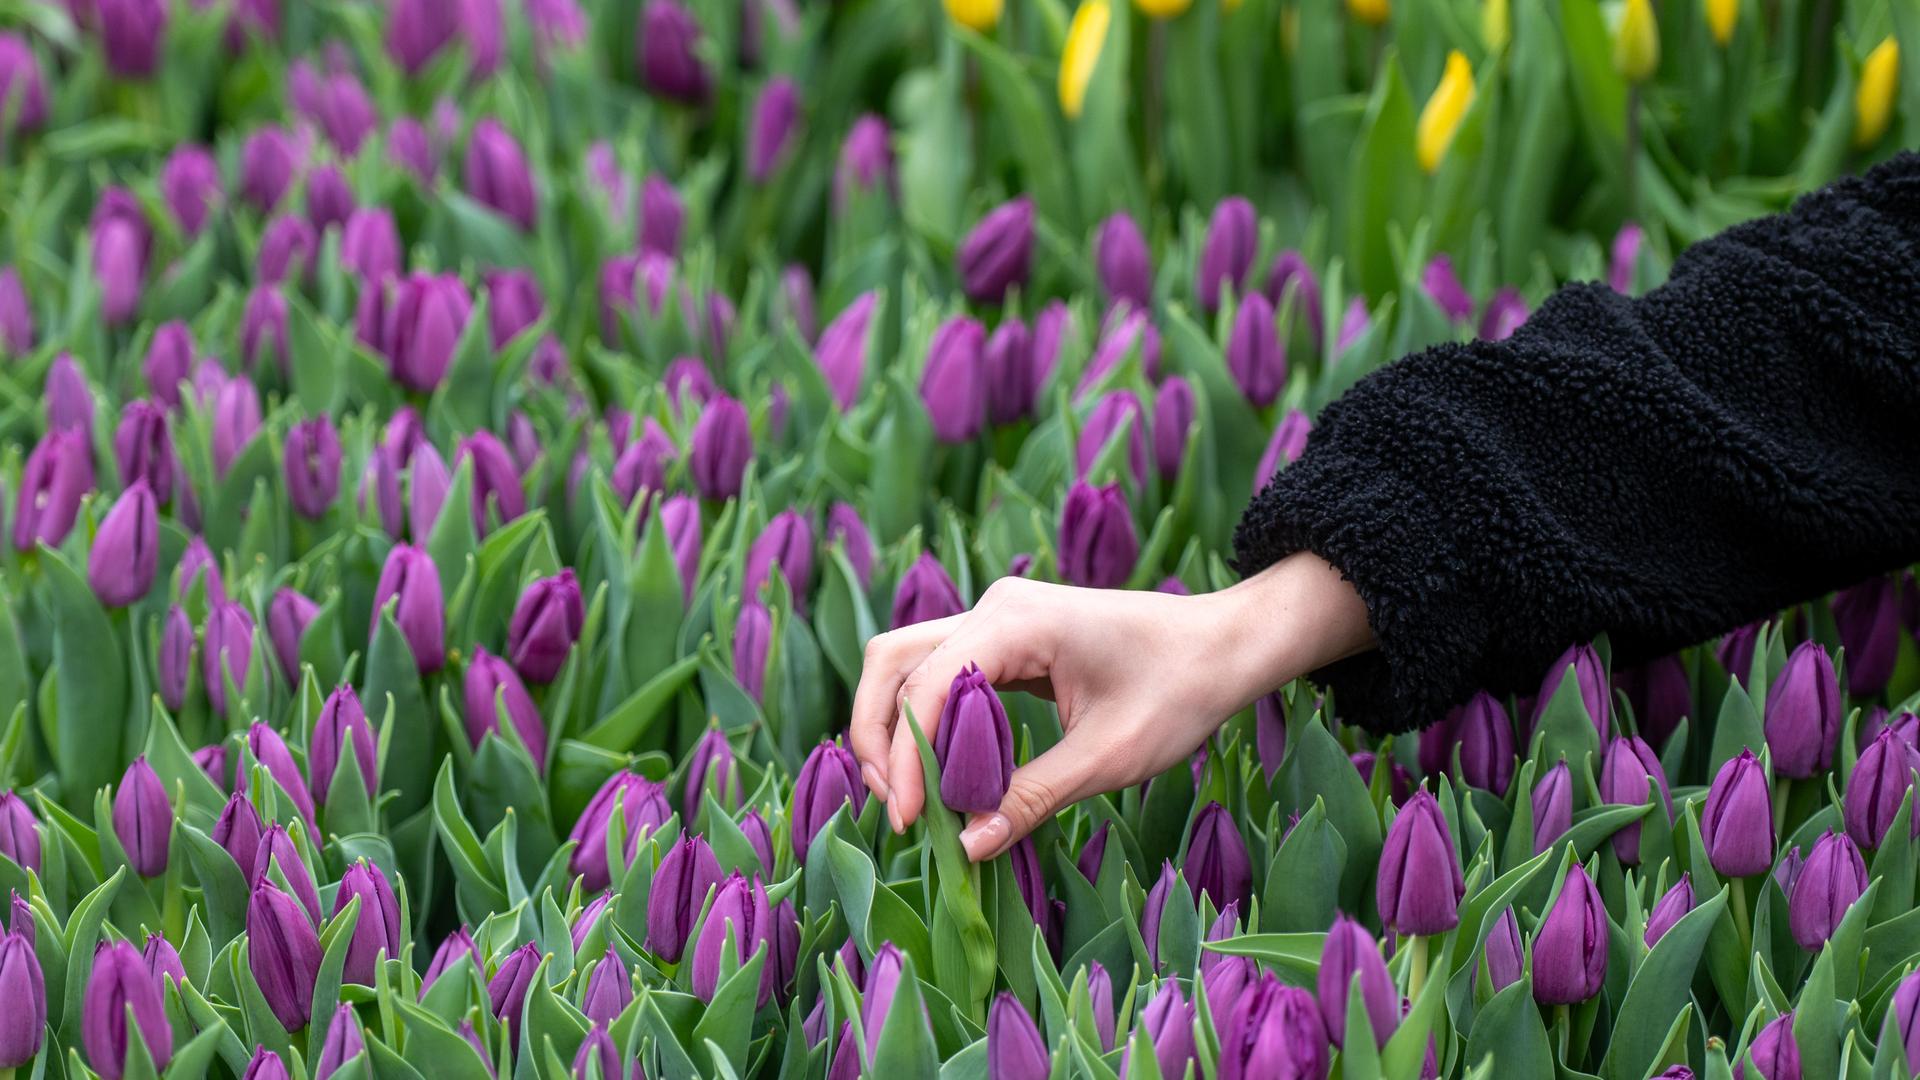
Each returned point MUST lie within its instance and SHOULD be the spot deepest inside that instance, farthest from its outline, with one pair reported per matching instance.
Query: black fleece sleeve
(1662, 469)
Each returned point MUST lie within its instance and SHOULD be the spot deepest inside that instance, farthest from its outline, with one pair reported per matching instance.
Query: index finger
(889, 658)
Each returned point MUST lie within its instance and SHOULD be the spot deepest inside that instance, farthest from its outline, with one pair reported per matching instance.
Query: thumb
(1038, 790)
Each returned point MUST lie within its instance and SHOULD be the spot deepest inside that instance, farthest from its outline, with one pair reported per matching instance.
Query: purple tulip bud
(1590, 675)
(1153, 911)
(1484, 736)
(776, 116)
(974, 744)
(1804, 713)
(118, 983)
(1290, 271)
(410, 580)
(143, 448)
(313, 466)
(1442, 286)
(1506, 958)
(342, 725)
(1788, 872)
(370, 245)
(1098, 544)
(132, 32)
(455, 947)
(1009, 372)
(828, 778)
(169, 361)
(1288, 443)
(711, 767)
(226, 652)
(925, 593)
(286, 251)
(1419, 887)
(346, 115)
(507, 990)
(143, 818)
(236, 420)
(126, 550)
(497, 175)
(785, 545)
(1775, 1053)
(1570, 948)
(1015, 1050)
(19, 832)
(1735, 651)
(418, 29)
(1661, 695)
(427, 482)
(377, 931)
(752, 641)
(1628, 765)
(598, 1050)
(1217, 862)
(996, 255)
(423, 324)
(513, 304)
(342, 1043)
(1737, 820)
(239, 831)
(1552, 807)
(57, 473)
(1173, 416)
(687, 872)
(680, 516)
(1123, 329)
(1399, 780)
(661, 217)
(288, 615)
(722, 448)
(1121, 259)
(1505, 313)
(842, 350)
(882, 985)
(496, 479)
(24, 1026)
(1270, 734)
(739, 911)
(1672, 906)
(1868, 618)
(545, 624)
(866, 160)
(608, 992)
(270, 750)
(16, 310)
(488, 677)
(1273, 1031)
(1233, 234)
(283, 953)
(189, 185)
(954, 385)
(196, 561)
(1255, 355)
(479, 1046)
(1832, 879)
(269, 161)
(846, 528)
(1620, 273)
(1878, 786)
(410, 147)
(69, 401)
(796, 301)
(1905, 1011)
(669, 53)
(643, 807)
(1349, 953)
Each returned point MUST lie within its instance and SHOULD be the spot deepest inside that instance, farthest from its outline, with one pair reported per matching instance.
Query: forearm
(1295, 616)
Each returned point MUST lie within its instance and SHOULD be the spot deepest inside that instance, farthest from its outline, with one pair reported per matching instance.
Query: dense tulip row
(456, 454)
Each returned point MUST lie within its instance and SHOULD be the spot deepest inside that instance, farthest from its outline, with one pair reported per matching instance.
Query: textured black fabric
(1662, 469)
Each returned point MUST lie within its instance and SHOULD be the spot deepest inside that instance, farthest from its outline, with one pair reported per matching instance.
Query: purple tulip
(410, 147)
(427, 482)
(1672, 906)
(1349, 953)
(1114, 409)
(669, 53)
(1272, 1031)
(264, 327)
(270, 750)
(342, 725)
(1217, 862)
(370, 245)
(759, 836)
(1442, 286)
(1098, 544)
(1628, 765)
(642, 463)
(143, 819)
(1590, 675)
(954, 385)
(120, 242)
(1552, 807)
(513, 304)
(23, 90)
(1804, 713)
(410, 580)
(1015, 1050)
(687, 872)
(418, 29)
(752, 641)
(680, 517)
(330, 199)
(132, 33)
(119, 983)
(1621, 266)
(776, 116)
(598, 1050)
(1833, 878)
(1775, 1053)
(23, 1029)
(662, 215)
(497, 175)
(69, 400)
(507, 990)
(1737, 821)
(1905, 1011)
(1661, 695)
(342, 1043)
(269, 161)
(1256, 357)
(1289, 271)
(1174, 408)
(496, 479)
(1009, 372)
(974, 744)
(722, 449)
(1484, 736)
(925, 593)
(1122, 261)
(1419, 887)
(796, 300)
(866, 160)
(19, 832)
(643, 808)
(344, 113)
(1878, 786)
(608, 992)
(126, 551)
(189, 185)
(226, 652)
(489, 678)
(169, 361)
(739, 911)
(545, 624)
(1123, 330)
(16, 310)
(239, 831)
(421, 327)
(1168, 1019)
(996, 255)
(1735, 651)
(288, 615)
(1868, 618)
(1570, 948)
(377, 931)
(1788, 872)
(1288, 443)
(786, 546)
(846, 528)
(283, 953)
(1505, 312)
(1233, 234)
(710, 768)
(1270, 734)
(1506, 958)
(57, 473)
(454, 948)
(828, 778)
(143, 449)
(313, 466)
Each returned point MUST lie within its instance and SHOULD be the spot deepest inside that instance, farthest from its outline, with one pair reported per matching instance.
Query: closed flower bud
(1290, 275)
(752, 641)
(1624, 260)
(1270, 734)
(545, 624)
(1273, 1031)
(1504, 313)
(1590, 675)
(1288, 443)
(608, 992)
(1636, 47)
(1442, 285)
(1009, 372)
(410, 580)
(1506, 958)
(126, 551)
(427, 482)
(1115, 408)
(1552, 807)
(1015, 1050)
(19, 832)
(1217, 862)
(687, 381)
(370, 246)
(681, 882)
(680, 516)
(1484, 737)
(1736, 823)
(342, 1043)
(489, 678)
(190, 186)
(669, 56)
(953, 385)
(313, 466)
(1868, 618)
(143, 448)
(1661, 695)
(795, 300)
(119, 983)
(643, 807)
(57, 473)
(132, 32)
(496, 480)
(846, 528)
(1440, 118)
(455, 947)
(1168, 1019)
(1349, 953)
(226, 652)
(342, 726)
(24, 1026)
(597, 1050)
(1570, 949)
(1419, 887)
(785, 545)
(995, 257)
(422, 325)
(1255, 356)
(507, 990)
(1873, 98)
(286, 251)
(1804, 713)
(776, 116)
(842, 350)
(169, 362)
(270, 750)
(1173, 416)
(1905, 1011)
(377, 931)
(877, 996)
(269, 161)
(288, 615)
(925, 593)
(497, 175)
(739, 912)
(1833, 878)
(1625, 772)
(1878, 786)
(69, 400)
(143, 819)
(418, 29)
(1233, 234)
(974, 744)
(759, 837)
(1672, 906)
(212, 760)
(711, 767)
(828, 778)
(23, 90)
(1775, 1052)
(1098, 543)
(722, 448)
(239, 831)
(662, 215)
(175, 664)
(236, 420)
(16, 310)
(866, 160)
(1122, 260)
(513, 304)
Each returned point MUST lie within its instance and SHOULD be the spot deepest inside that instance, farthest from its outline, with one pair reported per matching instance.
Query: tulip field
(454, 454)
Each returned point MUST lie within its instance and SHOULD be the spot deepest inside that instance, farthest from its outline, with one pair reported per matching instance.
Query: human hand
(1141, 679)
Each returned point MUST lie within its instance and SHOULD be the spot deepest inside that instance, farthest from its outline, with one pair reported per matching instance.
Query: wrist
(1294, 617)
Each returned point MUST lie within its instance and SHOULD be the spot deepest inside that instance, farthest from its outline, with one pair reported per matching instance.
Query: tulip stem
(1633, 151)
(1741, 921)
(1416, 966)
(1150, 108)
(1563, 1029)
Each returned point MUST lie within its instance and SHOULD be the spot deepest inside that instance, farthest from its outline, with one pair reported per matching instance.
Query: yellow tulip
(1289, 30)
(1721, 17)
(1444, 111)
(1636, 50)
(1372, 12)
(1230, 6)
(980, 15)
(1162, 9)
(1873, 101)
(1085, 37)
(1496, 24)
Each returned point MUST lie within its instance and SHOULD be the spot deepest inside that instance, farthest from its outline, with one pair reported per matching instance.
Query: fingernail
(983, 839)
(893, 818)
(875, 782)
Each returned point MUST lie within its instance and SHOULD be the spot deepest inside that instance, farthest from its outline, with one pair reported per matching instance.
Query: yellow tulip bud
(1086, 35)
(1289, 30)
(1496, 24)
(1873, 100)
(1230, 6)
(980, 15)
(1371, 12)
(1721, 17)
(1636, 49)
(1444, 111)
(1162, 9)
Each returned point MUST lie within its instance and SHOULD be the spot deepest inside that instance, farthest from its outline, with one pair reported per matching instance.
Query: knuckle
(878, 648)
(1029, 801)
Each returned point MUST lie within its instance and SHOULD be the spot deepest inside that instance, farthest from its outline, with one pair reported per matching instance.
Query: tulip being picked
(974, 745)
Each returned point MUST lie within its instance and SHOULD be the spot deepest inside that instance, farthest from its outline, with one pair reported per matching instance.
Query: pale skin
(1140, 679)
